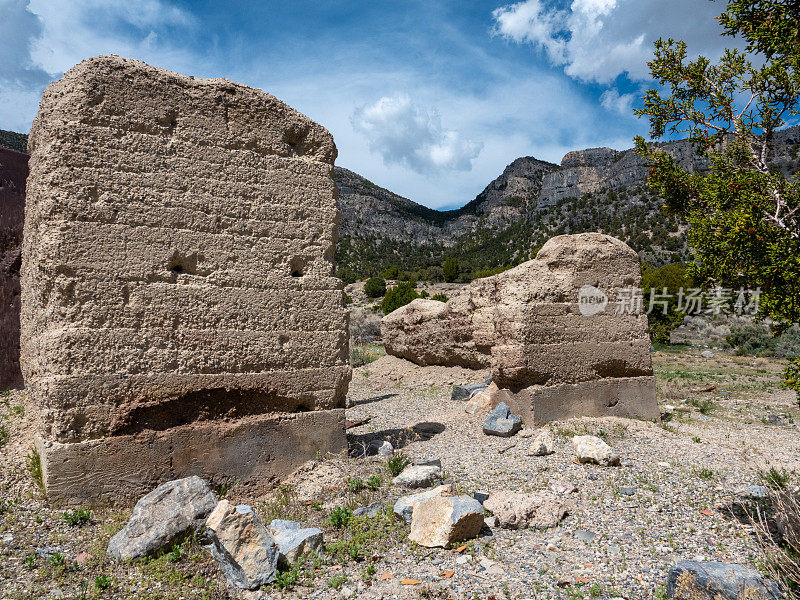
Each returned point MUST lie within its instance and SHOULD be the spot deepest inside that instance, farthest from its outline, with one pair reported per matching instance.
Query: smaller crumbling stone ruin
(180, 315)
(550, 357)
(13, 173)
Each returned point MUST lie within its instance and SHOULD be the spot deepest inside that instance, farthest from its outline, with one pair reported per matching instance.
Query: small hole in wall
(297, 267)
(177, 269)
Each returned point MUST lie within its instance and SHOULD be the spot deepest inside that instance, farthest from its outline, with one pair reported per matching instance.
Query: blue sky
(430, 99)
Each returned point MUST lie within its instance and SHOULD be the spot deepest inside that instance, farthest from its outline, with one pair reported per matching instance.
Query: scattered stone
(584, 535)
(162, 517)
(465, 392)
(380, 448)
(48, 551)
(241, 545)
(491, 522)
(427, 462)
(438, 522)
(501, 421)
(416, 476)
(695, 580)
(776, 420)
(707, 354)
(543, 444)
(591, 449)
(481, 496)
(371, 511)
(517, 510)
(294, 540)
(627, 491)
(528, 433)
(564, 487)
(462, 560)
(479, 402)
(756, 492)
(404, 507)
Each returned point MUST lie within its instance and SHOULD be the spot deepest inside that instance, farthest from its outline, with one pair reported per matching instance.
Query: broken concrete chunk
(245, 551)
(162, 517)
(517, 510)
(437, 522)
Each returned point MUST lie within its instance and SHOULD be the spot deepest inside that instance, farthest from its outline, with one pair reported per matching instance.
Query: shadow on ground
(366, 444)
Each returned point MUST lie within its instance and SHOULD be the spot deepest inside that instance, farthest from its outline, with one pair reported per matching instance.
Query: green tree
(347, 275)
(661, 284)
(375, 287)
(398, 296)
(450, 269)
(744, 214)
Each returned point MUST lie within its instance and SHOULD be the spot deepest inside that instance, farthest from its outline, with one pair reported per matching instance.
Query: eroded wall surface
(180, 314)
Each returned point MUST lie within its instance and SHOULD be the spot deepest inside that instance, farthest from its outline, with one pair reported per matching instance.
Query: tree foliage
(375, 287)
(744, 214)
(398, 296)
(450, 269)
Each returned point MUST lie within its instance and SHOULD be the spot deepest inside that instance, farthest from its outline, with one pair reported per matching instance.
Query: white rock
(543, 444)
(294, 540)
(591, 449)
(707, 354)
(415, 476)
(518, 510)
(241, 545)
(404, 507)
(441, 521)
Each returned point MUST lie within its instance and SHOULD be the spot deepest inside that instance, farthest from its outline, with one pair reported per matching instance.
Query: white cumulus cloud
(598, 40)
(614, 101)
(407, 134)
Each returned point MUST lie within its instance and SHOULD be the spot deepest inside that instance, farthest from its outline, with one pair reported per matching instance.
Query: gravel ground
(626, 525)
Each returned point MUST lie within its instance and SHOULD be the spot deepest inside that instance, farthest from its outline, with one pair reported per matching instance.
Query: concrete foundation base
(253, 452)
(613, 397)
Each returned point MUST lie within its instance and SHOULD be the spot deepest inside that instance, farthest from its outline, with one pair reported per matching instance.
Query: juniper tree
(744, 213)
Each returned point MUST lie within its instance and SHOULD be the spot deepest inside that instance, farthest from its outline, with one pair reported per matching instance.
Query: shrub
(391, 273)
(396, 463)
(434, 274)
(362, 356)
(348, 299)
(450, 269)
(340, 517)
(375, 287)
(77, 517)
(755, 339)
(778, 533)
(354, 484)
(440, 297)
(398, 296)
(102, 582)
(654, 279)
(33, 463)
(347, 275)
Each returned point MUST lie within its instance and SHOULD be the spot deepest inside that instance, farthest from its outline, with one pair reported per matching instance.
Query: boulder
(163, 517)
(438, 522)
(245, 551)
(416, 476)
(370, 511)
(465, 392)
(543, 444)
(404, 507)
(481, 401)
(695, 580)
(501, 421)
(294, 540)
(517, 510)
(591, 449)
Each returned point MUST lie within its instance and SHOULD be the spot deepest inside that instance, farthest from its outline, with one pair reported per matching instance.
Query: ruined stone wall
(548, 359)
(13, 173)
(180, 314)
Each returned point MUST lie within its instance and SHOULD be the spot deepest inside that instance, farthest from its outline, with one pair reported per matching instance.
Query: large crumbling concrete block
(13, 173)
(180, 314)
(551, 356)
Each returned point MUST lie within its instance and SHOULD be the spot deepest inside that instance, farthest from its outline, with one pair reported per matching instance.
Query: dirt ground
(627, 524)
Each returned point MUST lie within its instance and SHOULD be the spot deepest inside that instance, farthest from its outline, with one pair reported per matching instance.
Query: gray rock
(404, 507)
(501, 421)
(164, 516)
(380, 448)
(719, 581)
(776, 420)
(628, 491)
(584, 535)
(242, 546)
(416, 476)
(427, 462)
(370, 511)
(481, 496)
(294, 540)
(488, 381)
(465, 392)
(707, 354)
(756, 492)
